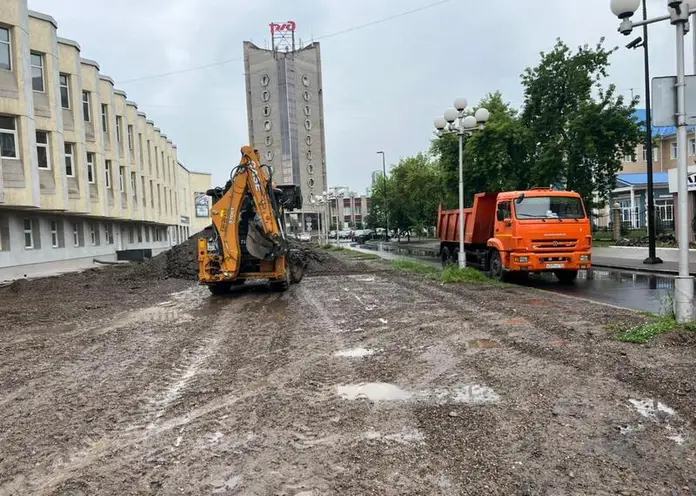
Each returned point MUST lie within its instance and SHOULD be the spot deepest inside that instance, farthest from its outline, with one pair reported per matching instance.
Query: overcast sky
(383, 84)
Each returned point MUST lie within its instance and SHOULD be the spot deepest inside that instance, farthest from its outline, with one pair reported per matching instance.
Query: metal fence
(636, 219)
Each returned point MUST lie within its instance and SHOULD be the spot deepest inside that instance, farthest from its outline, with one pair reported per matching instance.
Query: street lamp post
(679, 11)
(386, 203)
(466, 126)
(638, 43)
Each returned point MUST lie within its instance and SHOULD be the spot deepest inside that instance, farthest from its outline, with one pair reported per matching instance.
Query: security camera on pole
(679, 11)
(466, 126)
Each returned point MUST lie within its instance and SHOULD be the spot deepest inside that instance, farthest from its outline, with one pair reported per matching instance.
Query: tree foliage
(578, 130)
(572, 133)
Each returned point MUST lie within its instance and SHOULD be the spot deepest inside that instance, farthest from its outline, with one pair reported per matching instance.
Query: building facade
(285, 112)
(83, 173)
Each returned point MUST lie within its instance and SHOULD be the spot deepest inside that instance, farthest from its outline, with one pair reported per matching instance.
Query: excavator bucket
(257, 244)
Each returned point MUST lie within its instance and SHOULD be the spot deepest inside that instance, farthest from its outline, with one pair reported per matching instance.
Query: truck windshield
(549, 207)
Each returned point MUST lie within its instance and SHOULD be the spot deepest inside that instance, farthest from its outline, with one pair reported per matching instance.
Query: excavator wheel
(284, 283)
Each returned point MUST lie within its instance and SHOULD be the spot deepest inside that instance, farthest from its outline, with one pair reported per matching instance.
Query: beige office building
(83, 173)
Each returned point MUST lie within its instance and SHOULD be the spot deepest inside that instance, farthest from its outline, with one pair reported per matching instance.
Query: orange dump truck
(520, 232)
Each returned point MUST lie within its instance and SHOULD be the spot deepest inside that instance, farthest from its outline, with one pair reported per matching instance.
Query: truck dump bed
(478, 221)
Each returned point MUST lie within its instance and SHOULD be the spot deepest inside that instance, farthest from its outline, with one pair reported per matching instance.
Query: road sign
(664, 101)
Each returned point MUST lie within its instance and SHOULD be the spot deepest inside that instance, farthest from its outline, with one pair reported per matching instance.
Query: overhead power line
(323, 37)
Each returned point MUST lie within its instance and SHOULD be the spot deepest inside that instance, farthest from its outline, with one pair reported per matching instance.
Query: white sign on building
(691, 180)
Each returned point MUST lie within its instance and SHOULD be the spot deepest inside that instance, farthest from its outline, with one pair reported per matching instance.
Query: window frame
(121, 179)
(15, 137)
(119, 125)
(71, 155)
(93, 233)
(41, 68)
(61, 87)
(129, 136)
(133, 178)
(76, 235)
(91, 178)
(30, 232)
(43, 145)
(673, 150)
(54, 234)
(9, 47)
(86, 106)
(107, 173)
(105, 118)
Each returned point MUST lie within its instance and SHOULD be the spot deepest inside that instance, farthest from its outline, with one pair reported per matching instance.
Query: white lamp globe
(482, 115)
(470, 122)
(451, 115)
(460, 103)
(440, 123)
(624, 8)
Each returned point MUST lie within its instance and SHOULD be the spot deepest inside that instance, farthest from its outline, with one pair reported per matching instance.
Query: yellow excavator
(248, 239)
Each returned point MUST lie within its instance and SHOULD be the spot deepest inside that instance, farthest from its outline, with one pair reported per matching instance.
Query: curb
(630, 268)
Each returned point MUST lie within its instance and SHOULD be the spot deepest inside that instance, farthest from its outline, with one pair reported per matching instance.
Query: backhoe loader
(248, 238)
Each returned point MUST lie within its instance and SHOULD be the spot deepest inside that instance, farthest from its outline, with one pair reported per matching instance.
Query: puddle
(374, 391)
(483, 344)
(652, 410)
(382, 391)
(355, 353)
(406, 436)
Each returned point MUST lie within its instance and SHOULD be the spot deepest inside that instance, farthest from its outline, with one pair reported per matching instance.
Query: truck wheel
(446, 257)
(496, 270)
(219, 288)
(566, 276)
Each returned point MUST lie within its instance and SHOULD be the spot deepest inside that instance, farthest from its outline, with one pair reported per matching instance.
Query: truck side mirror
(508, 221)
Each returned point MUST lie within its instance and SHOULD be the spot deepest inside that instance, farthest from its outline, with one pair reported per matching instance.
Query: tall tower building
(285, 112)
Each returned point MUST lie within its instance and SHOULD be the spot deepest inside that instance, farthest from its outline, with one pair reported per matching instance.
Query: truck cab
(521, 232)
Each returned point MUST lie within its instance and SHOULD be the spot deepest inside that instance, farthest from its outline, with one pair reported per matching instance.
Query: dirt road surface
(360, 380)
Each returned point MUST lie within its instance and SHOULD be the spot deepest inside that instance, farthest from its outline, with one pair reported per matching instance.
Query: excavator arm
(248, 176)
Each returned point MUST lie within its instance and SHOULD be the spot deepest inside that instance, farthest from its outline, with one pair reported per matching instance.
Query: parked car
(305, 237)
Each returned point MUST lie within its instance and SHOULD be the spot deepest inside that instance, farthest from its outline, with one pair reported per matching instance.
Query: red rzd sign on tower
(288, 26)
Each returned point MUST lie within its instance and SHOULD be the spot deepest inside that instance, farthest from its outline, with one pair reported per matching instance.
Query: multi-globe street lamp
(466, 125)
(679, 11)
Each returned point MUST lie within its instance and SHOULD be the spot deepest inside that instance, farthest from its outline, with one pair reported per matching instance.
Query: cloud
(383, 84)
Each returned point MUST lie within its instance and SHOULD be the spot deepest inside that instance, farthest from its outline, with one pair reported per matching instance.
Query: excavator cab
(249, 235)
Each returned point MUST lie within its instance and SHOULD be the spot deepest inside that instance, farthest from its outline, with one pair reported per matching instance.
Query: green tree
(579, 129)
(495, 159)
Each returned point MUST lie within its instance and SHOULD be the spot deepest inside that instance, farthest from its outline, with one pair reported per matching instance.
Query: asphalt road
(359, 380)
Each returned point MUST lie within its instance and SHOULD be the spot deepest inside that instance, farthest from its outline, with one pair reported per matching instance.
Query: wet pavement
(638, 291)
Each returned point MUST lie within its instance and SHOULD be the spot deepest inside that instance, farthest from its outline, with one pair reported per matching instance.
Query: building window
(119, 122)
(628, 158)
(692, 147)
(142, 188)
(69, 168)
(76, 234)
(130, 137)
(64, 91)
(673, 150)
(5, 50)
(94, 233)
(140, 149)
(132, 179)
(90, 167)
(54, 234)
(28, 234)
(8, 137)
(147, 233)
(665, 210)
(655, 154)
(109, 228)
(131, 234)
(37, 72)
(107, 173)
(121, 179)
(105, 118)
(86, 106)
(42, 154)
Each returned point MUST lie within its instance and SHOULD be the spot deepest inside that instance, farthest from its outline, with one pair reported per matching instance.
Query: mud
(357, 382)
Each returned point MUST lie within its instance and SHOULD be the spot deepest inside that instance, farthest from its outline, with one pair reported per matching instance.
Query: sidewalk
(602, 258)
